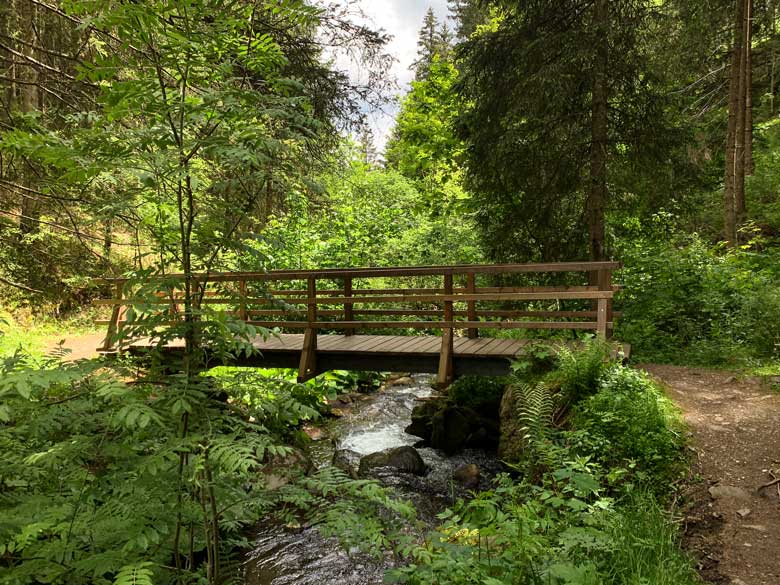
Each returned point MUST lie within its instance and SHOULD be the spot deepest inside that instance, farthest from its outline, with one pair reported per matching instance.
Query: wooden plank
(534, 296)
(399, 343)
(378, 340)
(388, 272)
(502, 347)
(605, 283)
(326, 342)
(467, 346)
(445, 372)
(486, 347)
(431, 345)
(308, 365)
(242, 296)
(516, 348)
(113, 323)
(369, 341)
(601, 321)
(433, 325)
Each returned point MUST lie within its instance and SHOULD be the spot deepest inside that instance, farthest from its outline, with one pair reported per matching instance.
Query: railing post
(471, 311)
(308, 366)
(116, 313)
(243, 314)
(445, 375)
(348, 312)
(605, 284)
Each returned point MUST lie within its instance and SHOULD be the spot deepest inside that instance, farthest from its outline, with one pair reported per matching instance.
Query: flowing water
(374, 423)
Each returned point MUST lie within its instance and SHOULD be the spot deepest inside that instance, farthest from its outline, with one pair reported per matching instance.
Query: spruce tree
(428, 45)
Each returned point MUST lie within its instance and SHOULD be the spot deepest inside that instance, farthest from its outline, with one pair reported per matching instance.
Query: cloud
(402, 20)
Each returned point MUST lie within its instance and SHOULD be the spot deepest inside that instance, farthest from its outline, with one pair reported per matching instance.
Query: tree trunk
(597, 194)
(734, 133)
(28, 102)
(748, 74)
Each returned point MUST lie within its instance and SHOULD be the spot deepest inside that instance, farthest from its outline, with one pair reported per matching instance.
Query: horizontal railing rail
(262, 299)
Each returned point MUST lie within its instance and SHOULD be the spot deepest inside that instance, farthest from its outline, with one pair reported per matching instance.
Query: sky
(402, 20)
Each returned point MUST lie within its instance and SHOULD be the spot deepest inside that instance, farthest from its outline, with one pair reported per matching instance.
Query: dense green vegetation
(582, 484)
(168, 137)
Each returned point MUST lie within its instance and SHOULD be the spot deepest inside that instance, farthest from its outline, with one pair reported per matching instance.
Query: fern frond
(534, 408)
(136, 574)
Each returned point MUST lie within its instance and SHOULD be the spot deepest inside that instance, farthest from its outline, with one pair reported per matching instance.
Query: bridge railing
(350, 299)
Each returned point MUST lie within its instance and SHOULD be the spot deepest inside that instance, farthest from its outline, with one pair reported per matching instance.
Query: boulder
(512, 441)
(452, 428)
(402, 381)
(405, 459)
(347, 461)
(422, 419)
(467, 475)
(280, 470)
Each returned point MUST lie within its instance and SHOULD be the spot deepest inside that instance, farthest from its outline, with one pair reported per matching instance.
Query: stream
(369, 424)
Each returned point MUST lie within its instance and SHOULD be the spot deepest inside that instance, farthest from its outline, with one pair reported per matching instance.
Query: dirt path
(80, 346)
(731, 528)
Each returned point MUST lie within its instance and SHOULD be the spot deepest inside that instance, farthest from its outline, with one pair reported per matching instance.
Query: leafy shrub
(478, 392)
(560, 523)
(536, 360)
(578, 370)
(562, 531)
(629, 422)
(686, 301)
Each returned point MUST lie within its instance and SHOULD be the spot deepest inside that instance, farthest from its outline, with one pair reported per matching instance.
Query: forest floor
(731, 526)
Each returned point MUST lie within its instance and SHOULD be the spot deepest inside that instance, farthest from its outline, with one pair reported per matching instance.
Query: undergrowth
(108, 477)
(585, 505)
(687, 302)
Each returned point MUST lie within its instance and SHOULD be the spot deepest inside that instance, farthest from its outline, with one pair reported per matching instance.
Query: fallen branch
(19, 285)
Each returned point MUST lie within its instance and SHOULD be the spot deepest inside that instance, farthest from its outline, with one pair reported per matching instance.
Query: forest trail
(81, 346)
(731, 528)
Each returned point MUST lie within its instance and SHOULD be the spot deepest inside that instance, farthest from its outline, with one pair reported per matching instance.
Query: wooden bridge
(315, 315)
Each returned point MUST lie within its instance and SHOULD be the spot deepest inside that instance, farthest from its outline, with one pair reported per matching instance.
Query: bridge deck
(399, 345)
(483, 356)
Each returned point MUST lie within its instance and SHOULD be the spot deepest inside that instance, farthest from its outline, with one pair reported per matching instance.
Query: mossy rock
(422, 419)
(405, 459)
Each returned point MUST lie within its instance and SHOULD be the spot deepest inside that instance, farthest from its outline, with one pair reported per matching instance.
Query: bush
(561, 523)
(478, 392)
(629, 422)
(578, 371)
(685, 301)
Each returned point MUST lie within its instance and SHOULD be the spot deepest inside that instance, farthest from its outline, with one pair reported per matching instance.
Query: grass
(646, 548)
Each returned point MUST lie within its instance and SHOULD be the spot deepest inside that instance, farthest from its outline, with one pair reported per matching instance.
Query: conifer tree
(468, 15)
(433, 40)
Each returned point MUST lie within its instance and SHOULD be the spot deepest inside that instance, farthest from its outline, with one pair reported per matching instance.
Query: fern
(137, 574)
(535, 407)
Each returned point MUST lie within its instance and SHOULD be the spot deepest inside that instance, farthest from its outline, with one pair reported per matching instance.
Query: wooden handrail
(368, 272)
(450, 307)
